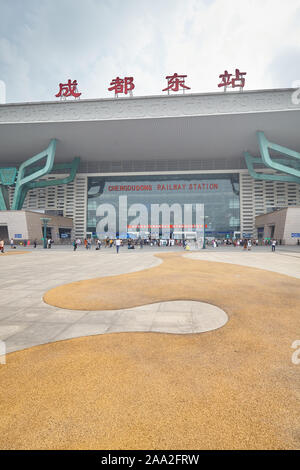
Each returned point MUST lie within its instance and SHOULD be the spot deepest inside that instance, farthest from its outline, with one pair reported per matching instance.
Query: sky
(46, 42)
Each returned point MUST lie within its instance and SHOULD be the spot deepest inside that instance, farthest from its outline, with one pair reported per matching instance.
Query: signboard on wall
(295, 235)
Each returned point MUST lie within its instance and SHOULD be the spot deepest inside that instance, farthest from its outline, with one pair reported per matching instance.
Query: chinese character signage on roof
(68, 89)
(122, 85)
(175, 82)
(235, 81)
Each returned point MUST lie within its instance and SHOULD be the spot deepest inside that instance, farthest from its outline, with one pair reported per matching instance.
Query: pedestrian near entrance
(118, 244)
(2, 246)
(49, 243)
(11, 243)
(273, 245)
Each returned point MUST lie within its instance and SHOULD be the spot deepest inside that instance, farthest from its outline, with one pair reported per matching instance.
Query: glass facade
(134, 197)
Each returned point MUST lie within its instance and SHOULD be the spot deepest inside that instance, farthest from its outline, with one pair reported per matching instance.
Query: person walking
(75, 245)
(49, 243)
(249, 245)
(273, 245)
(34, 243)
(11, 243)
(2, 246)
(118, 244)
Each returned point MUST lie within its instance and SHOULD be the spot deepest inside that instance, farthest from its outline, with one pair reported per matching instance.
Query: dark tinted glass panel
(218, 192)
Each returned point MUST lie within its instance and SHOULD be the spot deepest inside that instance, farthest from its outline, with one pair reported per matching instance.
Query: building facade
(282, 225)
(26, 225)
(160, 150)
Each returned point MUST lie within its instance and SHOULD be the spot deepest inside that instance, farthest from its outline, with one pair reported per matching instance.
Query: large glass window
(127, 197)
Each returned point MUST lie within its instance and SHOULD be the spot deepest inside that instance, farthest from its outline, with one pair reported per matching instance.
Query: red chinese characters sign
(175, 82)
(237, 81)
(122, 85)
(68, 89)
(168, 226)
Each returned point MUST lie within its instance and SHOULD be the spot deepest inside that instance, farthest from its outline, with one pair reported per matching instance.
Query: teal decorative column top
(28, 176)
(287, 169)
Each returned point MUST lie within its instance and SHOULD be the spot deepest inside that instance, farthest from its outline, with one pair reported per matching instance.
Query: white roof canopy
(191, 126)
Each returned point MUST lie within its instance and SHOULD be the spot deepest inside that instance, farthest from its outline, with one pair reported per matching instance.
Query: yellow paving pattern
(235, 387)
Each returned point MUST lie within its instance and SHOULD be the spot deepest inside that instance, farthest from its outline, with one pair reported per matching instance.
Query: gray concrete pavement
(283, 262)
(31, 327)
(25, 320)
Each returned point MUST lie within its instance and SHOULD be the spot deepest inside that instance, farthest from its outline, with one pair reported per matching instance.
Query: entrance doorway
(4, 233)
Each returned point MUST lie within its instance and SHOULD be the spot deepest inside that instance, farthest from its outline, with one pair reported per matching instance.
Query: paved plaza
(155, 340)
(26, 320)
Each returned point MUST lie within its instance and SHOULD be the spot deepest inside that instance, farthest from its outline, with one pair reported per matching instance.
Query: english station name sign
(175, 83)
(166, 187)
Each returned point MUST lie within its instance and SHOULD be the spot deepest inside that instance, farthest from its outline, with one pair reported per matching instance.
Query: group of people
(87, 243)
(231, 242)
(245, 243)
(118, 242)
(23, 243)
(98, 243)
(131, 244)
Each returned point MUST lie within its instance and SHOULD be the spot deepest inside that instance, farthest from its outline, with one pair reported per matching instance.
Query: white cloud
(231, 34)
(94, 41)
